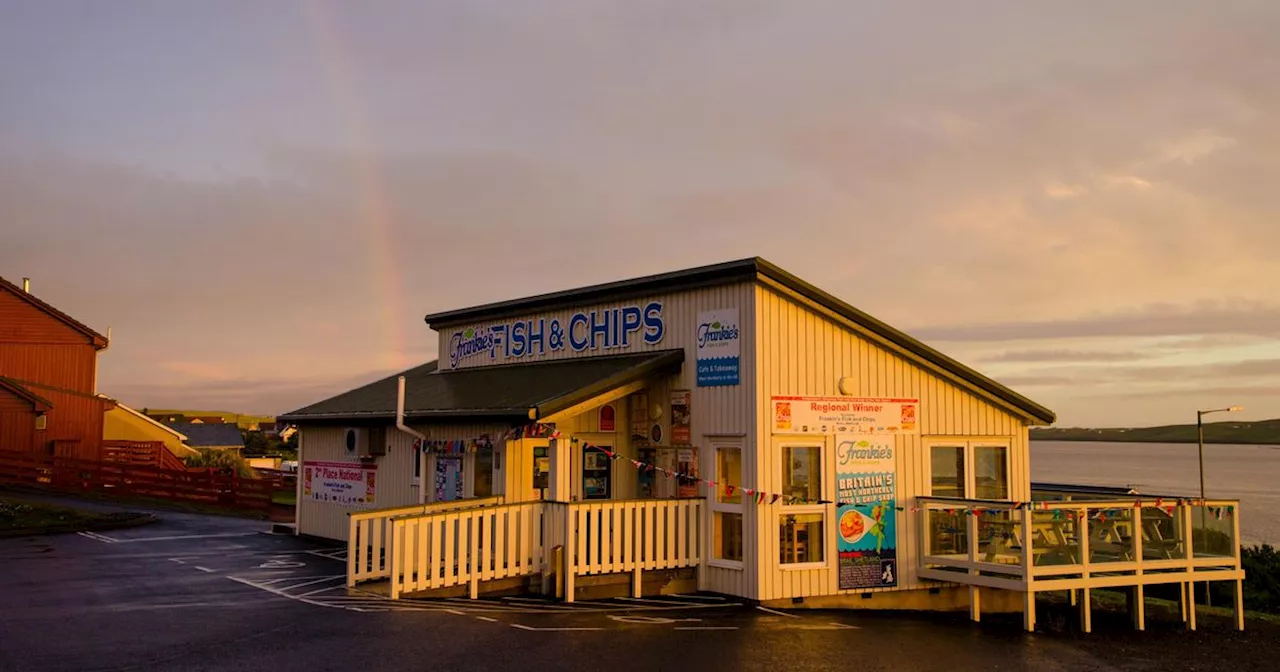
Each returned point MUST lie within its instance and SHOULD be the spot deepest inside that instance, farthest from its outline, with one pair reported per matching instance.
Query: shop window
(728, 536)
(947, 465)
(991, 472)
(969, 470)
(802, 473)
(726, 506)
(801, 538)
(728, 473)
(541, 469)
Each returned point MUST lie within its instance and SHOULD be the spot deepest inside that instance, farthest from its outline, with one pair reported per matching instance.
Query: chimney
(26, 285)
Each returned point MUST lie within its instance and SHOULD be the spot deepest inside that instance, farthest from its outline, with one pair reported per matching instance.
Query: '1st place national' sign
(845, 415)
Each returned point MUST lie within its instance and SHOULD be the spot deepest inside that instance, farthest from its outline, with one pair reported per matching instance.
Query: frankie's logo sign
(470, 343)
(607, 329)
(710, 335)
(719, 348)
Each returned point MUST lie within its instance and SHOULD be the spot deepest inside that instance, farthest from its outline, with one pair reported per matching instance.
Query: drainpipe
(422, 482)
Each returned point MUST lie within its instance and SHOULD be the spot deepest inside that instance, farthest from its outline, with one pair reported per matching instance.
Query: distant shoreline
(1108, 439)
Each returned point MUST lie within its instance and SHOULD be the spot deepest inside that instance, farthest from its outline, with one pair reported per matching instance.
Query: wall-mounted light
(42, 422)
(847, 386)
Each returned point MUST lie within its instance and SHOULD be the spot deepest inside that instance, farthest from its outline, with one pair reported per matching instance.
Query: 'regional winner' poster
(866, 511)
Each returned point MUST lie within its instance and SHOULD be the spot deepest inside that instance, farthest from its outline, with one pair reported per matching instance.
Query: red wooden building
(48, 379)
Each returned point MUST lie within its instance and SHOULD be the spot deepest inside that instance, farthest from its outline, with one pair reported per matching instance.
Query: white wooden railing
(1081, 545)
(369, 535)
(441, 550)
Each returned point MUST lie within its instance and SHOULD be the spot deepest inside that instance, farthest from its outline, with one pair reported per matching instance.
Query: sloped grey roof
(210, 434)
(513, 392)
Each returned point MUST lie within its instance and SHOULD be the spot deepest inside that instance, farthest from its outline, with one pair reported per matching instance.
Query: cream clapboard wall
(395, 481)
(803, 349)
(715, 410)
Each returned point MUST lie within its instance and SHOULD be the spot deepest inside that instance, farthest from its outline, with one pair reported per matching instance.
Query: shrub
(221, 459)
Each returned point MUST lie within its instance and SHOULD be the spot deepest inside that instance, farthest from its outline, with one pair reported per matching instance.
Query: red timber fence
(141, 454)
(123, 479)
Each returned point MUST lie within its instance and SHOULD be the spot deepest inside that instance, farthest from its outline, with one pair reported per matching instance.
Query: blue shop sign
(602, 329)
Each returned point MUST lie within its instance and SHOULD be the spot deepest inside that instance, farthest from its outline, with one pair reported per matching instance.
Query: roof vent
(26, 285)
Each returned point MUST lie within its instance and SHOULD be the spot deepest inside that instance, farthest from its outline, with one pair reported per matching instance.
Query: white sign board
(343, 483)
(719, 348)
(845, 415)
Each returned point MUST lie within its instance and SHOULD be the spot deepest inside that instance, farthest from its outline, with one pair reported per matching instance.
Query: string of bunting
(457, 446)
(539, 430)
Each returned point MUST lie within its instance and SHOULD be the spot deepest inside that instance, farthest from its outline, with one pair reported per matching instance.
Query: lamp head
(1235, 408)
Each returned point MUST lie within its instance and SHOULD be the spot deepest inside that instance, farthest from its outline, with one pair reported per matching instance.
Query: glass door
(596, 473)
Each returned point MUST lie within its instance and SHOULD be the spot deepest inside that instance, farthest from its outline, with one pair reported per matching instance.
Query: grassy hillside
(1264, 432)
(243, 420)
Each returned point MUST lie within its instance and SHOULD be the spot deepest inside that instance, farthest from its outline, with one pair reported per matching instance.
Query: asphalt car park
(195, 592)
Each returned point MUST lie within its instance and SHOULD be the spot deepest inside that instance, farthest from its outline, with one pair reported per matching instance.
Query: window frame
(716, 506)
(826, 491)
(418, 463)
(969, 448)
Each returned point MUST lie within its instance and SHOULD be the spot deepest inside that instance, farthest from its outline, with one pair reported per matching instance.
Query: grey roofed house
(518, 392)
(217, 435)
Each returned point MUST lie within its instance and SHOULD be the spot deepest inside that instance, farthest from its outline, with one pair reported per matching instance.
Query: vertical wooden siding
(715, 410)
(802, 351)
(17, 423)
(39, 347)
(395, 471)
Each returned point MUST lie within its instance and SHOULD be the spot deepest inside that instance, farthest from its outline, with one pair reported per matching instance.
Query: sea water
(1250, 474)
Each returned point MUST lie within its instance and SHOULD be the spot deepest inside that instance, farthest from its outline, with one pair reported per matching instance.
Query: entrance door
(448, 478)
(597, 472)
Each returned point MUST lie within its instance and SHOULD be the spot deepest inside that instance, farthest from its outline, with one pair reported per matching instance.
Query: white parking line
(713, 598)
(203, 569)
(486, 618)
(525, 627)
(132, 540)
(780, 613)
(98, 537)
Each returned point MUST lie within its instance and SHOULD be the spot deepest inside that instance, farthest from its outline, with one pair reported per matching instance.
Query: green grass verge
(19, 515)
(285, 497)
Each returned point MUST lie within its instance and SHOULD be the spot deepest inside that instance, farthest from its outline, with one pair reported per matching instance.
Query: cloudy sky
(262, 199)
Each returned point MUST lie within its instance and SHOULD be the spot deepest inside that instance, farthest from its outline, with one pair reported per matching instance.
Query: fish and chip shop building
(729, 428)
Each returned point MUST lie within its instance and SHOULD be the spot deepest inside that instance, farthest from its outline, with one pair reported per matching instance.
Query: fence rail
(197, 486)
(369, 535)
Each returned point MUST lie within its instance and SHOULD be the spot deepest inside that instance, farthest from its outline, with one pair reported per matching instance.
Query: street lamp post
(1200, 443)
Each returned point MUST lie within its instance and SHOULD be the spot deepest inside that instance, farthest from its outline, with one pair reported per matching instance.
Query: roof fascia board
(551, 417)
(678, 281)
(883, 340)
(640, 372)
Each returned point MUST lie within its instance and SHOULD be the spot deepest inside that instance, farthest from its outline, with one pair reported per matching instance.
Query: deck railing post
(1190, 586)
(397, 565)
(1138, 596)
(570, 546)
(1028, 580)
(1235, 541)
(474, 552)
